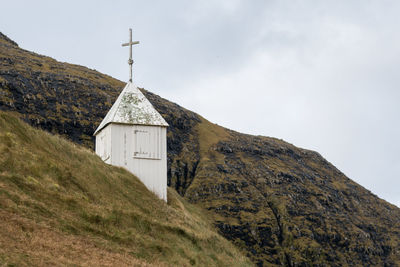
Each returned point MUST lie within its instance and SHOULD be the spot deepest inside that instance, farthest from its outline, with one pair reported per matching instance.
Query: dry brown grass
(209, 135)
(47, 246)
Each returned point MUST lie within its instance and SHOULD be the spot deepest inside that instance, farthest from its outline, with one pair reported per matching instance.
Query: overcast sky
(323, 75)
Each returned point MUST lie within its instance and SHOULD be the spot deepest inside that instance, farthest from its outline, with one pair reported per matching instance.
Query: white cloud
(326, 84)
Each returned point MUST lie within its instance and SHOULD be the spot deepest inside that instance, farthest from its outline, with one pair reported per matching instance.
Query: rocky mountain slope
(284, 205)
(61, 205)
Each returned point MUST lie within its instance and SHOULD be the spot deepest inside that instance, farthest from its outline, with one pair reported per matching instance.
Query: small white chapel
(133, 135)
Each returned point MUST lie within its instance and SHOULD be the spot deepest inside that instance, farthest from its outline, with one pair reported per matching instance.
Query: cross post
(130, 61)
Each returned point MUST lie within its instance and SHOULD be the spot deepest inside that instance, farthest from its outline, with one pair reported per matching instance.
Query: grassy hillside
(284, 205)
(289, 205)
(61, 205)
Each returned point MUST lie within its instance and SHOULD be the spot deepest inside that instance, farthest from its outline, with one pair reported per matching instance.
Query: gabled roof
(132, 107)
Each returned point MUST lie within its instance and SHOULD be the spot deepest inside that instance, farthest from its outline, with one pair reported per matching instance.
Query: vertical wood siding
(103, 144)
(140, 149)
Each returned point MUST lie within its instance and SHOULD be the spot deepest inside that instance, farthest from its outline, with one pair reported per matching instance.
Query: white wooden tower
(133, 135)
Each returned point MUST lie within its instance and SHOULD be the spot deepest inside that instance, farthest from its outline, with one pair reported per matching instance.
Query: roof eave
(127, 123)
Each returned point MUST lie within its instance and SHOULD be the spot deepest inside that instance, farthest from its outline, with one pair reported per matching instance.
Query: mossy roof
(132, 107)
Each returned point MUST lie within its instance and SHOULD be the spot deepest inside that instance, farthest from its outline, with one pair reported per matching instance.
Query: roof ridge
(118, 98)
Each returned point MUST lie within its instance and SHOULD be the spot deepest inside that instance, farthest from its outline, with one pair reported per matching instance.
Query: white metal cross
(130, 61)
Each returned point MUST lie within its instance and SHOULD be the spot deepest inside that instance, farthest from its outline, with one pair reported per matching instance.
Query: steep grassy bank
(61, 205)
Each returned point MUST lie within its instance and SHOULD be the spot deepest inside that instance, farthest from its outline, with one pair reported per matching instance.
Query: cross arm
(130, 43)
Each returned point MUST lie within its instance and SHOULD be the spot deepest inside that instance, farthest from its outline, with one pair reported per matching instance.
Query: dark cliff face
(283, 204)
(64, 99)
